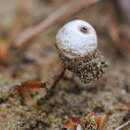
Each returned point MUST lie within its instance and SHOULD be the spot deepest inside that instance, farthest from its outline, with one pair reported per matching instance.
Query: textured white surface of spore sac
(76, 38)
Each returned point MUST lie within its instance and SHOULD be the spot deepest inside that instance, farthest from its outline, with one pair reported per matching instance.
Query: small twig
(56, 1)
(27, 86)
(18, 22)
(119, 42)
(24, 40)
(15, 29)
(123, 126)
(123, 107)
(113, 30)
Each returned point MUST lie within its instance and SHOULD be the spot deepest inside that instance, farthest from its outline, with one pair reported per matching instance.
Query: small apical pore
(77, 45)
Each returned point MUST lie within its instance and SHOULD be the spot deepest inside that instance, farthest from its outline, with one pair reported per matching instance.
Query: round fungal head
(77, 45)
(76, 39)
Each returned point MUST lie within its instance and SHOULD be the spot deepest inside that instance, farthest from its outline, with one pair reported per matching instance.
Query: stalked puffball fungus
(76, 42)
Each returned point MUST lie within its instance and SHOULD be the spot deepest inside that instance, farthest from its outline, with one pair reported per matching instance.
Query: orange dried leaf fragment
(123, 107)
(101, 121)
(3, 51)
(72, 122)
(27, 86)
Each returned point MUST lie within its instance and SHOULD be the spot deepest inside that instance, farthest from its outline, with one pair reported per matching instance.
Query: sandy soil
(70, 99)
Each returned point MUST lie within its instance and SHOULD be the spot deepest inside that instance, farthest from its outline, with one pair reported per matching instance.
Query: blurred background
(27, 52)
